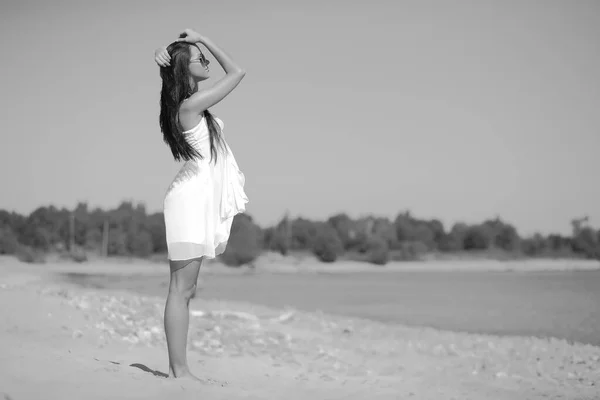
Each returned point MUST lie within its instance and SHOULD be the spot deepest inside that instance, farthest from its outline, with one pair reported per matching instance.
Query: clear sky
(460, 110)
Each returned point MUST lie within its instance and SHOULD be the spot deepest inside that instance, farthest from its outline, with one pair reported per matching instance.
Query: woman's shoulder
(189, 121)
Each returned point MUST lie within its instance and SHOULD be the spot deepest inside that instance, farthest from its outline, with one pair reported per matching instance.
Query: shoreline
(276, 264)
(273, 263)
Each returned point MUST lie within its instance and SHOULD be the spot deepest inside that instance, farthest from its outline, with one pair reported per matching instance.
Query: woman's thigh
(184, 274)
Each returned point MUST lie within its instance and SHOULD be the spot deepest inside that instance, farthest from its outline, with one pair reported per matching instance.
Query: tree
(455, 239)
(558, 243)
(141, 244)
(156, 228)
(586, 242)
(585, 239)
(378, 252)
(245, 242)
(82, 223)
(117, 242)
(42, 227)
(404, 224)
(8, 241)
(304, 233)
(534, 245)
(281, 236)
(327, 245)
(478, 237)
(439, 233)
(410, 229)
(384, 228)
(424, 234)
(507, 238)
(348, 231)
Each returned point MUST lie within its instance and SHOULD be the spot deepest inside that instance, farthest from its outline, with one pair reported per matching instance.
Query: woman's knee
(183, 289)
(184, 278)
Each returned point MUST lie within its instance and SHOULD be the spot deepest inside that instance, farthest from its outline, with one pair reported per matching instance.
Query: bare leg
(184, 275)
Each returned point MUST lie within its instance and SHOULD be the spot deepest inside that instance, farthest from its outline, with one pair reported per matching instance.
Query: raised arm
(206, 98)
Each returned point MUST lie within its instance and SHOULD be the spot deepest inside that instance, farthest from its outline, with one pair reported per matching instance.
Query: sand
(66, 342)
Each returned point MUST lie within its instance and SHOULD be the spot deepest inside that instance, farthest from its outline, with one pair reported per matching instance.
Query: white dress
(202, 200)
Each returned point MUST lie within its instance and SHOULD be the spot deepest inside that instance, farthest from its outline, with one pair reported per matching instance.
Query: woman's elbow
(237, 74)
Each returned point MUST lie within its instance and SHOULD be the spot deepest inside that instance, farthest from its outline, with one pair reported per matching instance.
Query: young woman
(208, 190)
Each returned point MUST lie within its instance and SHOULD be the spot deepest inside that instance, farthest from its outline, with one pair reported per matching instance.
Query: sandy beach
(60, 340)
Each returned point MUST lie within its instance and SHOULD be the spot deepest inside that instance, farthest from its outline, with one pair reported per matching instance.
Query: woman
(208, 191)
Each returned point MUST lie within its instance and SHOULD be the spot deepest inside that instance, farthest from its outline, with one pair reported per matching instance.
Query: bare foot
(185, 374)
(189, 376)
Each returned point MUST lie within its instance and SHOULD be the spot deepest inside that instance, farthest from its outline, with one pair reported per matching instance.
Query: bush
(327, 245)
(478, 237)
(378, 252)
(410, 251)
(8, 241)
(245, 242)
(78, 255)
(30, 255)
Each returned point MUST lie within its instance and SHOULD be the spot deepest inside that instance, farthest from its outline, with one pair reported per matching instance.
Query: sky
(461, 110)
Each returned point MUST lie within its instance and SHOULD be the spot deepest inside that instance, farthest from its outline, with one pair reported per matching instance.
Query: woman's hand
(162, 57)
(190, 36)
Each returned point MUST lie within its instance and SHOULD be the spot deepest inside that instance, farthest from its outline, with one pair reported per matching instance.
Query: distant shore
(275, 263)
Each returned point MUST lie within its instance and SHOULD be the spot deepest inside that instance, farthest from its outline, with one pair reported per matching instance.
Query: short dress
(202, 200)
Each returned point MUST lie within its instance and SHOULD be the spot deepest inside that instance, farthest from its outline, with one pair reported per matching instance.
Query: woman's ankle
(179, 371)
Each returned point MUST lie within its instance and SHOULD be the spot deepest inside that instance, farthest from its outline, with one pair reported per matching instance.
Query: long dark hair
(176, 88)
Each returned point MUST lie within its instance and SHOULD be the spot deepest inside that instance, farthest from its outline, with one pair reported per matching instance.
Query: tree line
(128, 230)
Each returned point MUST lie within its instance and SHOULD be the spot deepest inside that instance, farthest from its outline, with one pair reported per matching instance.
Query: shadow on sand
(146, 369)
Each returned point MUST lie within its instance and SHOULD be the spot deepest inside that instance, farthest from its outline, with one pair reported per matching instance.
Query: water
(557, 304)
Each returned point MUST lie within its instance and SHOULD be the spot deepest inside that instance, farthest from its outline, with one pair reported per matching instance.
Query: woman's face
(198, 64)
